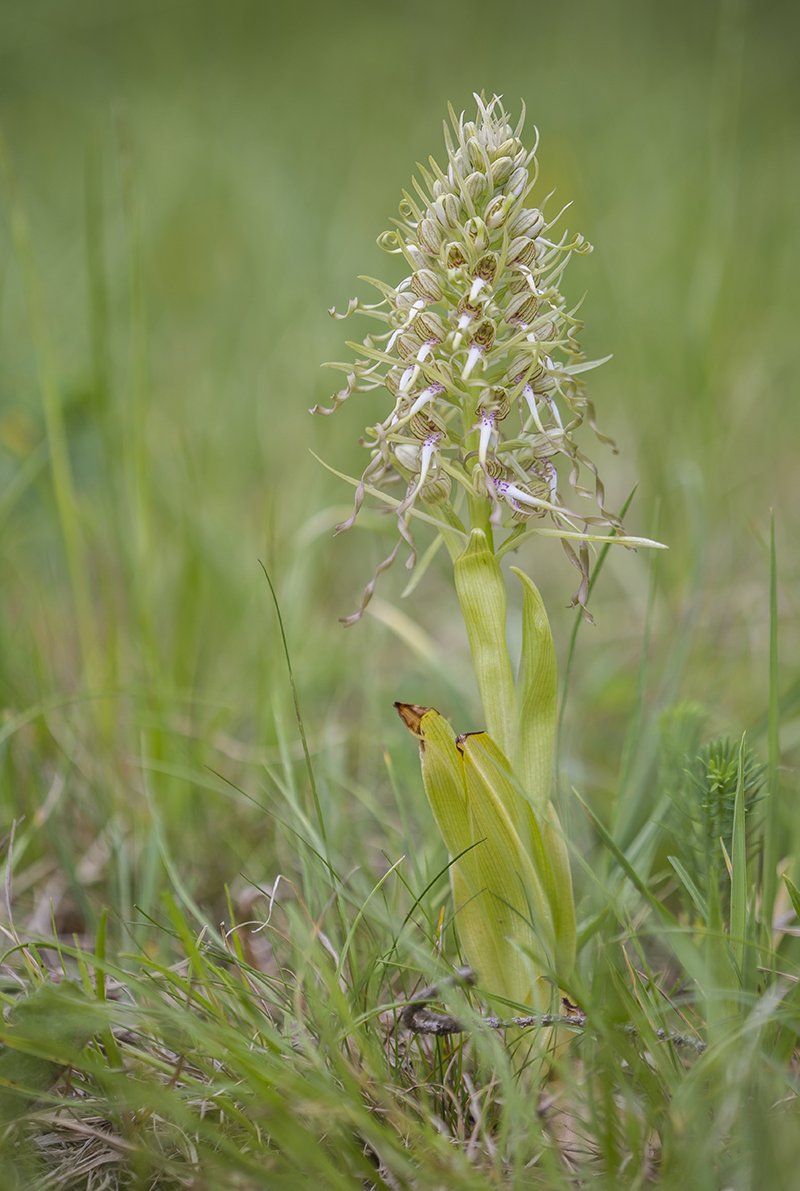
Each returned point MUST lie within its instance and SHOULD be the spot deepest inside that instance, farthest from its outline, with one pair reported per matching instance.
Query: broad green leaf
(535, 743)
(486, 952)
(511, 884)
(481, 593)
(503, 914)
(541, 837)
(483, 942)
(534, 760)
(442, 773)
(497, 809)
(558, 883)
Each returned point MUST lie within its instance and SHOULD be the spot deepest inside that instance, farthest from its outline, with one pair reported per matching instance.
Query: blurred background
(186, 188)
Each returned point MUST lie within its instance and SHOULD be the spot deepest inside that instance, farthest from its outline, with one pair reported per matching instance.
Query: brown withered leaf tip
(411, 714)
(462, 736)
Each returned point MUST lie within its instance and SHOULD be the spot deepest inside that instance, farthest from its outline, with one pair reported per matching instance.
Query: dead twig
(420, 1019)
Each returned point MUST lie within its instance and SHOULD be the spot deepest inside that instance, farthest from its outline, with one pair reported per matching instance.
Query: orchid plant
(477, 355)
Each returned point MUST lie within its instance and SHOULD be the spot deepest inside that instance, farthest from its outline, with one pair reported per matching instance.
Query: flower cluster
(478, 352)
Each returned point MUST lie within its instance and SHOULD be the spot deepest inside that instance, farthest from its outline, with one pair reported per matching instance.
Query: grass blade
(298, 714)
(694, 893)
(578, 621)
(772, 824)
(739, 882)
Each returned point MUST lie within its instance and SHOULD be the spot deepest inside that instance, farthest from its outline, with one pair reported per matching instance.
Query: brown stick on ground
(417, 1017)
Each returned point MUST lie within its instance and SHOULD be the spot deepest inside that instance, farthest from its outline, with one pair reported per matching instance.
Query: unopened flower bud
(408, 345)
(429, 327)
(502, 169)
(518, 181)
(426, 285)
(526, 222)
(423, 426)
(545, 331)
(521, 310)
(429, 235)
(522, 251)
(511, 147)
(476, 153)
(476, 186)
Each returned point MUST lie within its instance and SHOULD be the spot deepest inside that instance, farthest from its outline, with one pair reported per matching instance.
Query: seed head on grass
(478, 356)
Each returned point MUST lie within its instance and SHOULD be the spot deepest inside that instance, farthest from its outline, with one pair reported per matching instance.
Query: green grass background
(200, 183)
(187, 188)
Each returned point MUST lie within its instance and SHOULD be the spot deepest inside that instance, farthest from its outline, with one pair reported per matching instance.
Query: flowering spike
(479, 313)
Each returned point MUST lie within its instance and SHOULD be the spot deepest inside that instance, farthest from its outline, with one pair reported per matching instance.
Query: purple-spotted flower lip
(428, 394)
(481, 312)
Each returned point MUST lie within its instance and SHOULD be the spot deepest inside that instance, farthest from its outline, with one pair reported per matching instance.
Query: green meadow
(222, 882)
